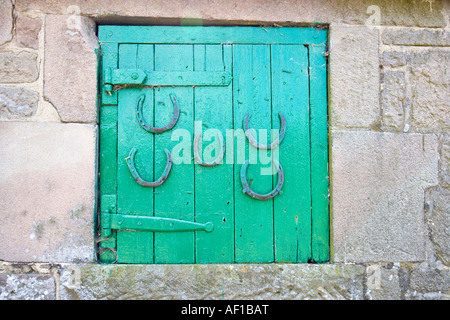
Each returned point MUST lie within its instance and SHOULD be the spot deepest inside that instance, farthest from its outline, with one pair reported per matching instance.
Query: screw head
(134, 76)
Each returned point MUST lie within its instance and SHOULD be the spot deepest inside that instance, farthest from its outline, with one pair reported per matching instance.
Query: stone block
(412, 37)
(444, 170)
(377, 183)
(27, 31)
(429, 78)
(6, 17)
(17, 102)
(428, 282)
(394, 59)
(70, 69)
(383, 282)
(27, 287)
(438, 218)
(17, 68)
(393, 100)
(396, 13)
(354, 77)
(47, 191)
(212, 282)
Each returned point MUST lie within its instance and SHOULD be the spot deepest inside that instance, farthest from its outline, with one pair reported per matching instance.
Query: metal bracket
(122, 76)
(154, 224)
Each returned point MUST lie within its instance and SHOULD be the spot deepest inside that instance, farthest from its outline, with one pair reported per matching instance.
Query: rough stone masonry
(389, 121)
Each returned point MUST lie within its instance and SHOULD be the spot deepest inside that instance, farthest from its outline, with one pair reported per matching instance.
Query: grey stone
(438, 218)
(377, 194)
(444, 170)
(411, 37)
(395, 13)
(71, 45)
(27, 31)
(27, 287)
(393, 100)
(429, 78)
(428, 282)
(6, 17)
(16, 68)
(394, 59)
(48, 172)
(354, 77)
(383, 282)
(216, 281)
(17, 102)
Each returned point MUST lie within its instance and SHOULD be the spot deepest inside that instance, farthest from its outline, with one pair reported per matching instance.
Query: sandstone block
(393, 100)
(396, 13)
(47, 191)
(411, 37)
(378, 182)
(27, 287)
(354, 77)
(6, 17)
(27, 31)
(17, 102)
(70, 70)
(429, 79)
(212, 282)
(394, 59)
(17, 68)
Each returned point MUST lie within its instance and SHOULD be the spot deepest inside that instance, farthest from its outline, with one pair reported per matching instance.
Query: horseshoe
(246, 188)
(142, 182)
(143, 123)
(274, 144)
(217, 161)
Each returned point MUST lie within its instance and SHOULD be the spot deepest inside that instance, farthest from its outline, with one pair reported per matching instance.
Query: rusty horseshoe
(275, 143)
(142, 182)
(147, 127)
(246, 188)
(216, 161)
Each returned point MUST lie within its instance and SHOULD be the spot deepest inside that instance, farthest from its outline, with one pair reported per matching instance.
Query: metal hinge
(112, 77)
(113, 221)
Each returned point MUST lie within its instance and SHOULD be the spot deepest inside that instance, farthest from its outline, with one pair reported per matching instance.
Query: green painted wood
(175, 198)
(132, 246)
(252, 92)
(211, 35)
(269, 75)
(292, 209)
(108, 172)
(214, 185)
(319, 154)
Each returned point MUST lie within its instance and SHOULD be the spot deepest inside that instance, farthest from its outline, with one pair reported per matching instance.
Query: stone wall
(389, 135)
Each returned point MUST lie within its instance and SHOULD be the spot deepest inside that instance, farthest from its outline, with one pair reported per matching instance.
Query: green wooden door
(216, 76)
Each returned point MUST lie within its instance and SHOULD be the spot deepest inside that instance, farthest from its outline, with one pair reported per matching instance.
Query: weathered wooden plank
(175, 198)
(252, 93)
(108, 170)
(213, 185)
(319, 154)
(132, 246)
(211, 35)
(292, 208)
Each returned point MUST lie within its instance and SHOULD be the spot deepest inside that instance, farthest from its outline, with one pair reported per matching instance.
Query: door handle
(137, 177)
(149, 128)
